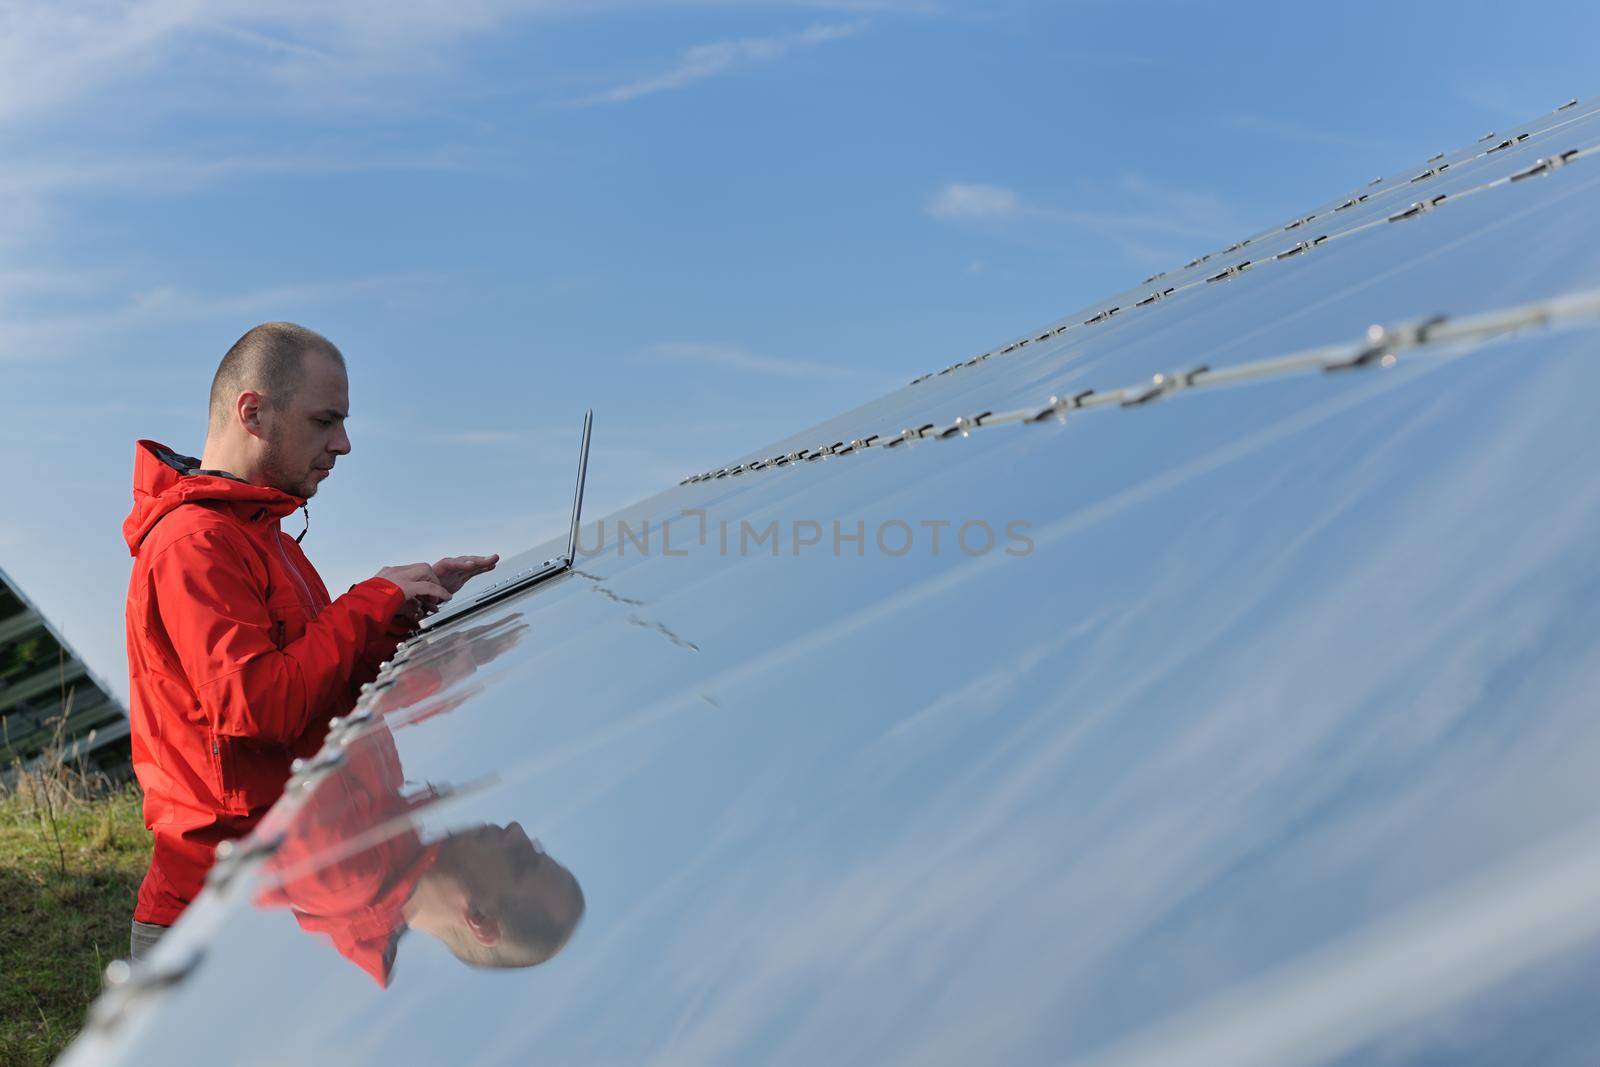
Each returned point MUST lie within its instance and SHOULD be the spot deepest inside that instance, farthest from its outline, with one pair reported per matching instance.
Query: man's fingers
(475, 564)
(454, 571)
(430, 591)
(423, 598)
(432, 586)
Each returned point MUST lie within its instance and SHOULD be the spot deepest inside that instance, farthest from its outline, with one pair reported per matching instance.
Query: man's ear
(485, 928)
(250, 408)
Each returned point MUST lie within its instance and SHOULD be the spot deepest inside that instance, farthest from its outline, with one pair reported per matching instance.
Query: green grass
(70, 864)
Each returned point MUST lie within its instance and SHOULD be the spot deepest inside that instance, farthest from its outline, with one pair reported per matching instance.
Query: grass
(73, 849)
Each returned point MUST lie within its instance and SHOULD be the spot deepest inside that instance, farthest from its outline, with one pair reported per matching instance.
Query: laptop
(528, 577)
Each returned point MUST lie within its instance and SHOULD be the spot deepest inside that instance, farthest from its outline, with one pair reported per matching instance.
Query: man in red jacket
(237, 657)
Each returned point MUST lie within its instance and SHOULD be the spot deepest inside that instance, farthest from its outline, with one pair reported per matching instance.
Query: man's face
(305, 435)
(502, 858)
(504, 870)
(515, 906)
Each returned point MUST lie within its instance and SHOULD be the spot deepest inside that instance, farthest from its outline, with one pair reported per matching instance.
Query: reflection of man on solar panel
(444, 661)
(354, 868)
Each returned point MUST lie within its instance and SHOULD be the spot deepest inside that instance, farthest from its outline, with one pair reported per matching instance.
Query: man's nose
(341, 442)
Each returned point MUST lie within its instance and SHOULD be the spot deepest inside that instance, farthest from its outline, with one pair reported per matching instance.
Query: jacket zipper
(224, 786)
(305, 590)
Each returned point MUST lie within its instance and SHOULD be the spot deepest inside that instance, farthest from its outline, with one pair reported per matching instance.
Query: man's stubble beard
(278, 475)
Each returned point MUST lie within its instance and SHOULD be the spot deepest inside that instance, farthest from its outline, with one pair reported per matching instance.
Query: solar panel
(1209, 682)
(51, 705)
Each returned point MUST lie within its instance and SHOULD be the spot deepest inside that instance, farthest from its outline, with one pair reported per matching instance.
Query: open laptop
(526, 578)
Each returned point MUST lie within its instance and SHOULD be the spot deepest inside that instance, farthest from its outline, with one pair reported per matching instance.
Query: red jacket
(236, 660)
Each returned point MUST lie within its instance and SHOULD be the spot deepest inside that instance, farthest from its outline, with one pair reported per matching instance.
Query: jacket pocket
(286, 620)
(226, 777)
(251, 774)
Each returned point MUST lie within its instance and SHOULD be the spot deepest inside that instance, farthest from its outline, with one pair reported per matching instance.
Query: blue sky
(713, 222)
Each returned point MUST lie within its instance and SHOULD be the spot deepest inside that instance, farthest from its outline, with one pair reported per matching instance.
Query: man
(237, 657)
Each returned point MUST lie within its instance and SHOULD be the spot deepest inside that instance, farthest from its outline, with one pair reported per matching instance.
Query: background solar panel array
(47, 695)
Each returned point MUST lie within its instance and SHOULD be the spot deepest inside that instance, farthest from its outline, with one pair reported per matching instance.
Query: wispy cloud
(280, 53)
(530, 436)
(973, 200)
(177, 173)
(477, 437)
(42, 336)
(52, 54)
(719, 57)
(28, 281)
(733, 357)
(1141, 217)
(172, 302)
(252, 58)
(1513, 99)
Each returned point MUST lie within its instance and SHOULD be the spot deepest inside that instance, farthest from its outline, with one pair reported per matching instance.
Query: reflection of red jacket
(351, 858)
(440, 666)
(236, 661)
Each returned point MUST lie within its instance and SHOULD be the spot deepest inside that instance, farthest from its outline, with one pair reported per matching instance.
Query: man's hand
(453, 571)
(423, 589)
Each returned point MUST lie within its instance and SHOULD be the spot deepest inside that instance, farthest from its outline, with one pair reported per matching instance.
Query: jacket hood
(163, 481)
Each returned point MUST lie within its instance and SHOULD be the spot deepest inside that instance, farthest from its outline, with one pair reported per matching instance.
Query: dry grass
(73, 849)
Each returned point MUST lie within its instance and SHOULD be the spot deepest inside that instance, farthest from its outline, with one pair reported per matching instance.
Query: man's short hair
(268, 359)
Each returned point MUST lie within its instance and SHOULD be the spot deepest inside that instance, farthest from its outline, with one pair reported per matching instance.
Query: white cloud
(131, 63)
(1144, 221)
(1144, 207)
(52, 53)
(974, 201)
(32, 337)
(1510, 99)
(476, 438)
(315, 55)
(124, 65)
(24, 281)
(718, 57)
(176, 174)
(732, 357)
